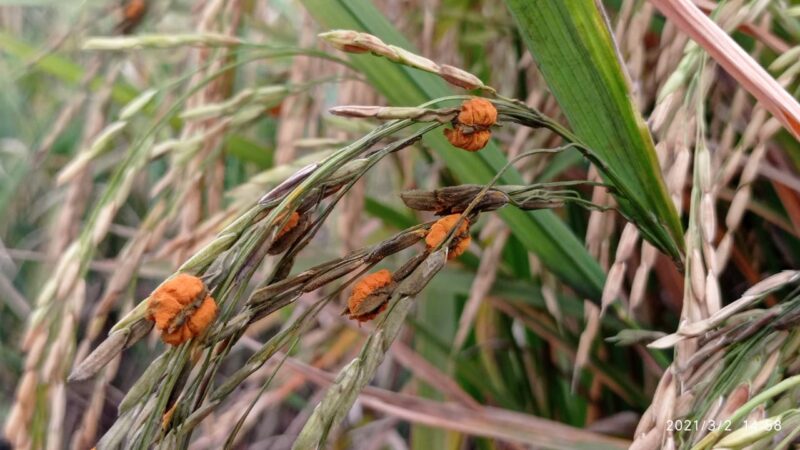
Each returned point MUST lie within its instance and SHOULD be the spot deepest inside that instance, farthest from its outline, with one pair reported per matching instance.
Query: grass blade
(577, 56)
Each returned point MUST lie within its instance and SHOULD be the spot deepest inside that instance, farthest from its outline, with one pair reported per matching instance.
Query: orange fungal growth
(132, 13)
(135, 9)
(290, 224)
(370, 296)
(441, 229)
(288, 234)
(181, 309)
(478, 113)
(167, 417)
(472, 128)
(471, 142)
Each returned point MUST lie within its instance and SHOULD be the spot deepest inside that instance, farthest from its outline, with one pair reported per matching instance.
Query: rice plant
(355, 224)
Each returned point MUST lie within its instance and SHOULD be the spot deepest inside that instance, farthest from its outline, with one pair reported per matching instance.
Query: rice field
(385, 224)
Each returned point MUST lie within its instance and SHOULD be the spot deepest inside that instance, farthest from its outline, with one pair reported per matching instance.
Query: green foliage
(577, 55)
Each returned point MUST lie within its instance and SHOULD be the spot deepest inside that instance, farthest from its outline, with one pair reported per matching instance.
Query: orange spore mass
(365, 287)
(135, 9)
(178, 310)
(441, 229)
(471, 131)
(478, 112)
(294, 219)
(471, 142)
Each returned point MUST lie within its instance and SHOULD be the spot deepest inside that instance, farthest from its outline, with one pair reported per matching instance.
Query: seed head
(459, 77)
(370, 296)
(454, 199)
(441, 229)
(354, 42)
(181, 309)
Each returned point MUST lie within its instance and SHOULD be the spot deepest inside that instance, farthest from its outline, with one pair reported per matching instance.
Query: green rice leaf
(578, 58)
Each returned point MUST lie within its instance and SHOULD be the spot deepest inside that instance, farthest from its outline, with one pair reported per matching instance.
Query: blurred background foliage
(503, 328)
